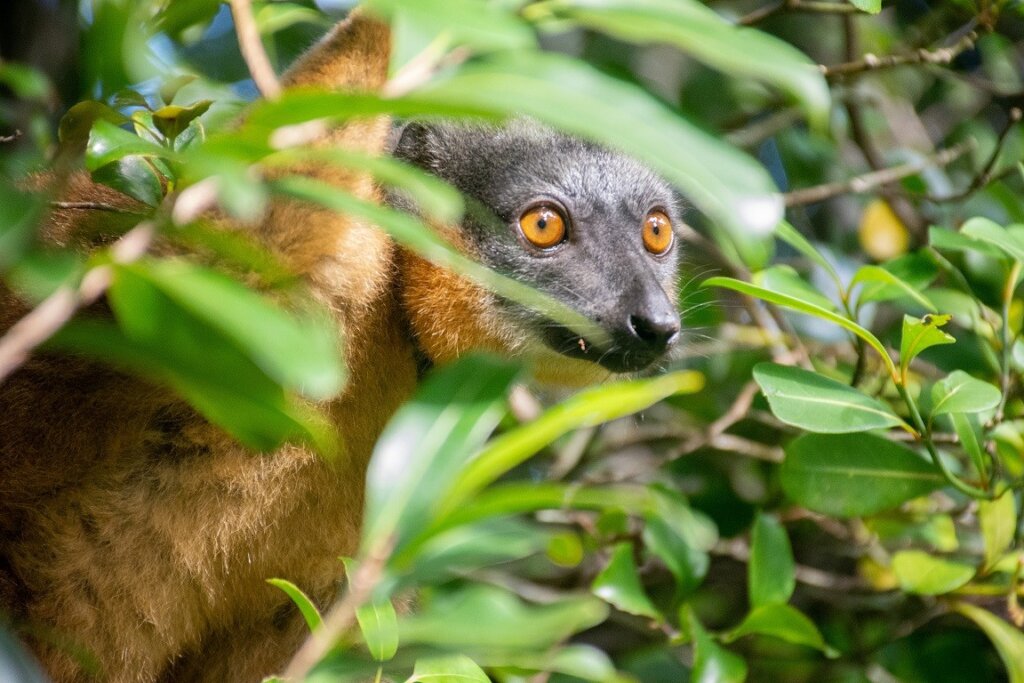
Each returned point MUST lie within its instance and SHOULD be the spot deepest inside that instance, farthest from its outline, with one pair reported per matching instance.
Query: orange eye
(542, 226)
(657, 232)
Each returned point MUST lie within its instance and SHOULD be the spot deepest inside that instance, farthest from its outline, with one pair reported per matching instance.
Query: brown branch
(870, 62)
(987, 172)
(252, 49)
(874, 179)
(57, 309)
(95, 206)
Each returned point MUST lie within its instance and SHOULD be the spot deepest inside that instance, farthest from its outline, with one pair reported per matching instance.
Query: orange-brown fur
(137, 532)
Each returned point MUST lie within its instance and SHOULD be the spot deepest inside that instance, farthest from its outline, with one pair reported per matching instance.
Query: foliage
(858, 515)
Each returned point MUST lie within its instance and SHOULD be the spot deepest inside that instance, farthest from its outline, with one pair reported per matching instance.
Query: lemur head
(590, 227)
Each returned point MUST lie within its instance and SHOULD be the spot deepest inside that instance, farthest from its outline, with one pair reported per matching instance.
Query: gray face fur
(601, 269)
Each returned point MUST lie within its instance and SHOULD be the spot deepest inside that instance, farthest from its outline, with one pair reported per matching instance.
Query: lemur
(140, 534)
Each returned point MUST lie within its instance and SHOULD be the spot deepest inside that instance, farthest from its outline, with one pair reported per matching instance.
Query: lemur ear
(413, 143)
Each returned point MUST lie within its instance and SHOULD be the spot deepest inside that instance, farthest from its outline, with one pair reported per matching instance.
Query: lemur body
(137, 532)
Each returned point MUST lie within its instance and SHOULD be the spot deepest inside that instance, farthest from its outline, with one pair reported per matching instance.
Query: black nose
(656, 332)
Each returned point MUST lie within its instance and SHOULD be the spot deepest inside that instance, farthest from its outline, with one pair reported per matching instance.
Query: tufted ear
(413, 144)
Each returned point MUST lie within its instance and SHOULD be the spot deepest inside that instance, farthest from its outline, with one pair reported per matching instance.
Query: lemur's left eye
(657, 232)
(542, 226)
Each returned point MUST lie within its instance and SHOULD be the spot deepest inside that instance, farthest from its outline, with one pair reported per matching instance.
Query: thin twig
(872, 180)
(870, 62)
(738, 549)
(12, 137)
(44, 320)
(341, 616)
(253, 53)
(95, 206)
(987, 173)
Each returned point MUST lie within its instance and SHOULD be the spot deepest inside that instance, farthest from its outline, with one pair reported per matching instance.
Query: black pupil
(655, 229)
(542, 223)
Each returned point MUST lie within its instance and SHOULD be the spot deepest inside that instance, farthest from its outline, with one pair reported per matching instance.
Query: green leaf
(869, 6)
(108, 143)
(804, 307)
(967, 430)
(784, 622)
(19, 215)
(170, 87)
(76, 125)
(990, 232)
(816, 403)
(998, 521)
(427, 442)
(619, 584)
(487, 617)
(880, 276)
(466, 548)
(847, 475)
(919, 335)
(447, 669)
(788, 234)
(703, 34)
(587, 408)
(687, 564)
(306, 607)
(961, 393)
(300, 353)
(725, 183)
(379, 626)
(711, 662)
(1009, 641)
(133, 176)
(25, 82)
(771, 573)
(785, 280)
(172, 119)
(907, 275)
(167, 344)
(925, 574)
(951, 240)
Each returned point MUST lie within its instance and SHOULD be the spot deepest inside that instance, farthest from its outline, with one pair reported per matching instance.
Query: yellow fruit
(882, 234)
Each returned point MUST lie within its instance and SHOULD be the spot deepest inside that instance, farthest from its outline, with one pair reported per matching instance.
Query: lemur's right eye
(543, 226)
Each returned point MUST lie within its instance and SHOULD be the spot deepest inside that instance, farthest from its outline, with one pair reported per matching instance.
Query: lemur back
(137, 537)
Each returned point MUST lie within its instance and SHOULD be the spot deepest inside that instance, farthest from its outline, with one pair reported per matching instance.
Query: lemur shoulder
(139, 533)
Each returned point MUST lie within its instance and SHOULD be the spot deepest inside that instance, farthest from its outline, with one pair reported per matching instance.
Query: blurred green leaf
(449, 418)
(990, 232)
(109, 143)
(869, 6)
(171, 119)
(26, 82)
(816, 403)
(791, 236)
(169, 88)
(1009, 641)
(804, 307)
(925, 574)
(299, 351)
(785, 280)
(852, 475)
(687, 564)
(619, 584)
(486, 617)
(306, 607)
(133, 176)
(961, 393)
(771, 572)
(967, 429)
(998, 522)
(703, 34)
(448, 669)
(784, 622)
(587, 408)
(77, 124)
(19, 213)
(378, 623)
(711, 662)
(954, 241)
(921, 334)
(878, 275)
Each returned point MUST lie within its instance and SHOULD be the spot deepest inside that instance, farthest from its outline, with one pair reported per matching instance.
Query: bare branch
(94, 206)
(810, 6)
(870, 62)
(875, 179)
(49, 316)
(252, 49)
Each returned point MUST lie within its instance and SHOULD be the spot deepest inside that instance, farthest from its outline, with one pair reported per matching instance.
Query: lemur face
(587, 226)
